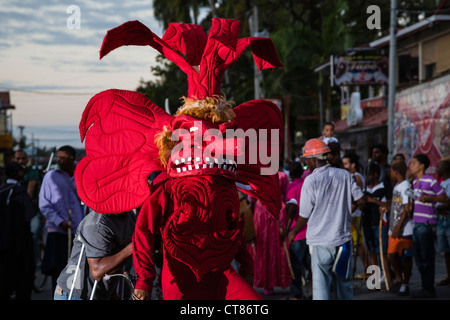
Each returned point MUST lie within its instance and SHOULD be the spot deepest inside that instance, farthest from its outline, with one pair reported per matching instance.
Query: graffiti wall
(422, 121)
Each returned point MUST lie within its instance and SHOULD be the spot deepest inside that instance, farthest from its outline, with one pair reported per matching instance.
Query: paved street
(361, 292)
(360, 289)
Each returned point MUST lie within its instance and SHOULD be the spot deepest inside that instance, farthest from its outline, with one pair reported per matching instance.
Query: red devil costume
(193, 202)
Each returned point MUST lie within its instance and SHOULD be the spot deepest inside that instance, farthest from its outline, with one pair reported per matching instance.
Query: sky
(52, 69)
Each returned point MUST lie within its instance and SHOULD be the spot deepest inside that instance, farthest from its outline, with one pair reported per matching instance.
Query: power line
(50, 129)
(58, 140)
(62, 93)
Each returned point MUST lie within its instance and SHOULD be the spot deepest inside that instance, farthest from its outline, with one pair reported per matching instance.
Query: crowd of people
(388, 216)
(332, 214)
(77, 240)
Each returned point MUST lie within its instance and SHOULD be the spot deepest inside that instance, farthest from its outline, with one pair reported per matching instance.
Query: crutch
(128, 277)
(287, 254)
(69, 235)
(380, 240)
(50, 160)
(93, 290)
(76, 271)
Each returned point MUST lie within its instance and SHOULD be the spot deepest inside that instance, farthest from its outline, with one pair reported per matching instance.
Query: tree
(178, 10)
(170, 83)
(305, 34)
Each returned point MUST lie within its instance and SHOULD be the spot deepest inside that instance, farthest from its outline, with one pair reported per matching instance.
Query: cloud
(39, 53)
(34, 35)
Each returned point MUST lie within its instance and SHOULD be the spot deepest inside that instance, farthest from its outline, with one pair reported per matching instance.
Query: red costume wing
(134, 33)
(262, 122)
(119, 127)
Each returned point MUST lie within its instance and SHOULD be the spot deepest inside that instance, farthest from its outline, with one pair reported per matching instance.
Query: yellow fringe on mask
(215, 108)
(165, 144)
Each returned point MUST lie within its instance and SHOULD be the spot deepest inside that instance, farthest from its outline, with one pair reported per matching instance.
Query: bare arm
(300, 223)
(442, 198)
(398, 226)
(291, 210)
(107, 265)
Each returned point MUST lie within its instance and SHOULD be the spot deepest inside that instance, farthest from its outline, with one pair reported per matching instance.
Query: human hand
(65, 226)
(283, 234)
(396, 231)
(424, 199)
(140, 294)
(291, 236)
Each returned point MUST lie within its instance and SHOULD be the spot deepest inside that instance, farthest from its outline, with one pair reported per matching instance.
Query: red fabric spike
(134, 33)
(214, 55)
(189, 39)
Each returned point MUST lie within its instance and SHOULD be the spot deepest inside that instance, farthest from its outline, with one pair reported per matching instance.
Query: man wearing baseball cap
(325, 204)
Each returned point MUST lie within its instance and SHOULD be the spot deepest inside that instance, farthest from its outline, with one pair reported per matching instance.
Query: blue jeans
(60, 294)
(298, 251)
(372, 238)
(322, 260)
(423, 244)
(443, 234)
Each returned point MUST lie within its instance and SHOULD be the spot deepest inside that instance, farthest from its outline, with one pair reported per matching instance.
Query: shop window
(408, 70)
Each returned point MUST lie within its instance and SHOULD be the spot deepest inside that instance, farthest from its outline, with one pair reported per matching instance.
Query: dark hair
(382, 147)
(296, 170)
(334, 146)
(445, 163)
(354, 158)
(12, 169)
(399, 155)
(20, 150)
(69, 150)
(373, 167)
(423, 159)
(328, 124)
(400, 167)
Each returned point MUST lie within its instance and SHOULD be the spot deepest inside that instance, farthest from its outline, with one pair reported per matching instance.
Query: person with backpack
(16, 243)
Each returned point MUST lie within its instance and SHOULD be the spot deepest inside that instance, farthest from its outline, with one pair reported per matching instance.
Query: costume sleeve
(147, 224)
(245, 259)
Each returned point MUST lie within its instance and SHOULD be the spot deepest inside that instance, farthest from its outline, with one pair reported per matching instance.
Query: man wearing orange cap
(325, 204)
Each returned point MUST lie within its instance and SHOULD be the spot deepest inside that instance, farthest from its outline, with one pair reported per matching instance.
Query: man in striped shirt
(427, 192)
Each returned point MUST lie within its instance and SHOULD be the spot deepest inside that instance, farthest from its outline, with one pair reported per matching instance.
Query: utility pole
(21, 142)
(392, 78)
(254, 32)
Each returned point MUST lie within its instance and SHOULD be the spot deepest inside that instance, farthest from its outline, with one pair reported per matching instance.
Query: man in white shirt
(325, 204)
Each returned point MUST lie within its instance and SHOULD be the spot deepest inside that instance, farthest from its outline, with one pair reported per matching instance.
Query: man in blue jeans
(103, 245)
(426, 192)
(326, 205)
